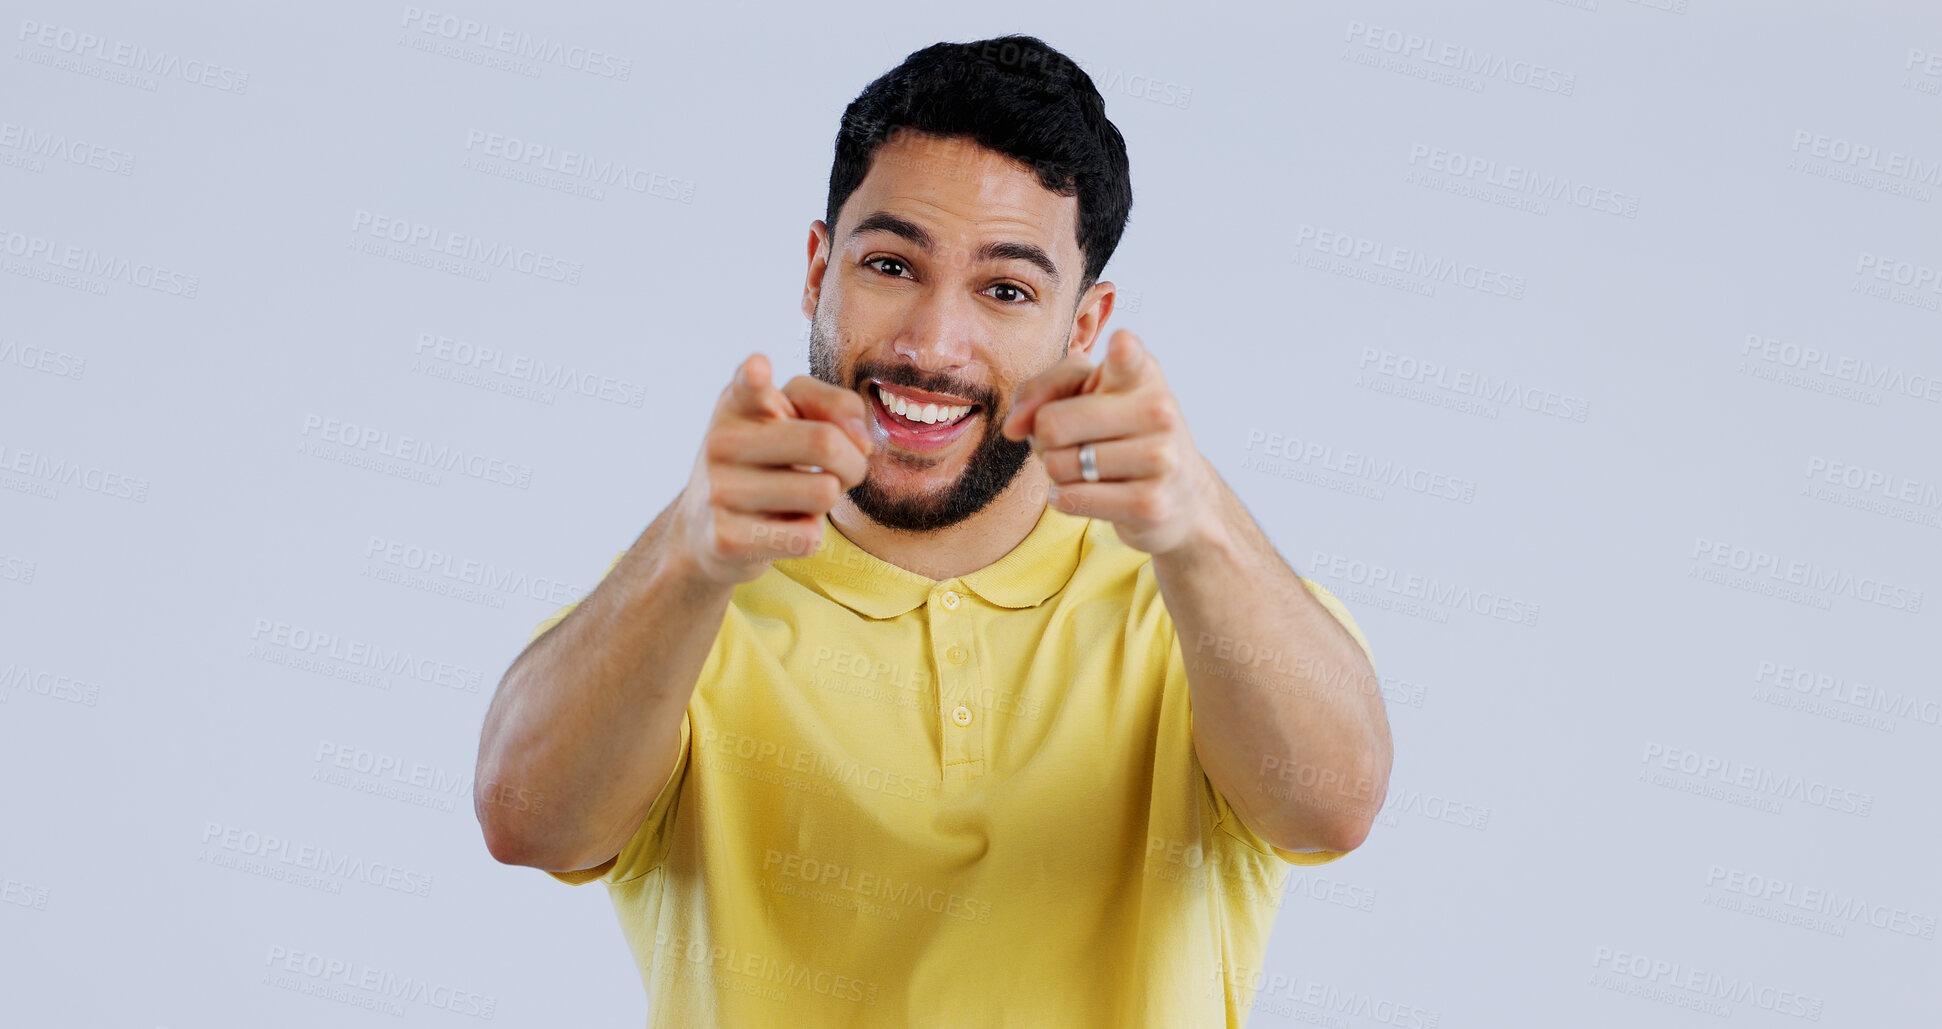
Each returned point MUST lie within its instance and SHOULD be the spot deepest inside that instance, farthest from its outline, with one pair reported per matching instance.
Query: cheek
(861, 316)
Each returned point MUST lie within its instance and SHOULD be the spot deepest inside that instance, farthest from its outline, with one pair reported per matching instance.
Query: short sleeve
(649, 846)
(1227, 820)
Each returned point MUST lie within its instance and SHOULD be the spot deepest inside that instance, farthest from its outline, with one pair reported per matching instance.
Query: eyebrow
(1003, 250)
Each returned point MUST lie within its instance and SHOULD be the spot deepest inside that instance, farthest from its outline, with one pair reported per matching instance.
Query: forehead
(956, 187)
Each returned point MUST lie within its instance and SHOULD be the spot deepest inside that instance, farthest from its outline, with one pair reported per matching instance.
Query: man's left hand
(1154, 486)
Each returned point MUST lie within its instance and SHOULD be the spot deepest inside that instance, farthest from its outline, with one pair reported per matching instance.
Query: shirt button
(955, 654)
(961, 715)
(950, 599)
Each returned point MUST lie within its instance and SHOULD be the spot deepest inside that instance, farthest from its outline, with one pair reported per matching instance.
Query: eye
(896, 267)
(1024, 295)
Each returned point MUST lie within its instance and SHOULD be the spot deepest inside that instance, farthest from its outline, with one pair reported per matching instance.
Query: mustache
(984, 397)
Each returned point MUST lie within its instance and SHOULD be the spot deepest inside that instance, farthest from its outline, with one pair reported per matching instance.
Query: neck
(955, 550)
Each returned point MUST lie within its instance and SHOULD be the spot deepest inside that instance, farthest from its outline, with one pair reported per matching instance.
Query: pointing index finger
(1125, 363)
(752, 393)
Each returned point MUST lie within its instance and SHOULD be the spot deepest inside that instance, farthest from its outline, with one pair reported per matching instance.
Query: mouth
(918, 421)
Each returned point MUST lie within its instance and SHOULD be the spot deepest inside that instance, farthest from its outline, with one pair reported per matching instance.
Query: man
(955, 688)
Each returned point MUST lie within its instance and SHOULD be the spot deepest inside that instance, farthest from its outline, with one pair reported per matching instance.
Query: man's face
(951, 280)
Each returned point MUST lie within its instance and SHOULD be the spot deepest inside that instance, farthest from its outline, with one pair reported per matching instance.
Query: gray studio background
(1588, 351)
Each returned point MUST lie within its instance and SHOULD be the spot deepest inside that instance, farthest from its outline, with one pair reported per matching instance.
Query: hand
(773, 462)
(1153, 484)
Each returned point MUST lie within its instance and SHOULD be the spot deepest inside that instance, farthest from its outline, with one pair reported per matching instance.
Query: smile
(919, 423)
(922, 413)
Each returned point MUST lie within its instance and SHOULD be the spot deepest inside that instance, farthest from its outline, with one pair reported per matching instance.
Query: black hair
(1012, 94)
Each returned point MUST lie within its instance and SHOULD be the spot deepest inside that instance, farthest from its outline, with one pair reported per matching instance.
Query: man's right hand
(774, 461)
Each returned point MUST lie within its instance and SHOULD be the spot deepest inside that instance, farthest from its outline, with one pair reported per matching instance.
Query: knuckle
(724, 496)
(722, 536)
(722, 445)
(826, 441)
(827, 491)
(1046, 425)
(1161, 413)
(854, 468)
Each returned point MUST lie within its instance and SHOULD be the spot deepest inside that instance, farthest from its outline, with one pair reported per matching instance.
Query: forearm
(1288, 722)
(585, 725)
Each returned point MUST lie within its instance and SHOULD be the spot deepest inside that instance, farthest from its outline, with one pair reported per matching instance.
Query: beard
(991, 468)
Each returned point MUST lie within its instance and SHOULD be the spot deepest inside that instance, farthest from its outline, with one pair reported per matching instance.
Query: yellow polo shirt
(973, 802)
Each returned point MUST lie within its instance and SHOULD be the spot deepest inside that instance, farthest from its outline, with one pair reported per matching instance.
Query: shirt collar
(1039, 566)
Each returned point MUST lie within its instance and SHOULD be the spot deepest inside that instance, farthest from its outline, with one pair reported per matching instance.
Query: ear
(1090, 320)
(812, 287)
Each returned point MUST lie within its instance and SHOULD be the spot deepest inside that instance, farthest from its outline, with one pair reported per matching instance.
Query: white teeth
(929, 414)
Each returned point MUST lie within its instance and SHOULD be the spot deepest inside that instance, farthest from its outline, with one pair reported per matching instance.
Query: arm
(1287, 720)
(1276, 683)
(586, 724)
(587, 720)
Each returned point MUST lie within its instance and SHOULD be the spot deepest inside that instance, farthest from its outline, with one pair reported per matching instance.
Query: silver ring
(1088, 463)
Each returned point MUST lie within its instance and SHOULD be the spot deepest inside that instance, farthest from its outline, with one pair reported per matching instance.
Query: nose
(939, 334)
